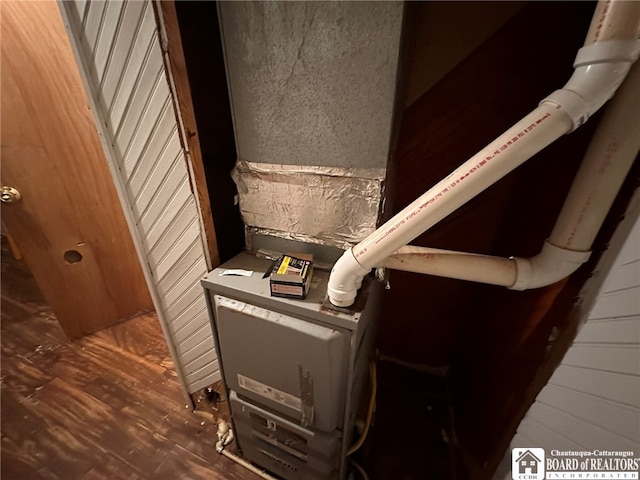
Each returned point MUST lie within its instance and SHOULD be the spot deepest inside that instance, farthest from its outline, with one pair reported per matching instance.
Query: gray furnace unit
(296, 372)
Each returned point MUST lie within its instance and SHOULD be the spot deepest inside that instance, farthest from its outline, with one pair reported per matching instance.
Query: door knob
(9, 195)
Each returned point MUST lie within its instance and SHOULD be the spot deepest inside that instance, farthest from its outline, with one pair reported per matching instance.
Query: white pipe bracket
(551, 265)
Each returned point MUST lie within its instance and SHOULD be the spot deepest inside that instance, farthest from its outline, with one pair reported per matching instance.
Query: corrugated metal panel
(123, 65)
(592, 400)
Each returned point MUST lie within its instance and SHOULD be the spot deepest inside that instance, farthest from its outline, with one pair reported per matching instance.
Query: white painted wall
(121, 60)
(592, 401)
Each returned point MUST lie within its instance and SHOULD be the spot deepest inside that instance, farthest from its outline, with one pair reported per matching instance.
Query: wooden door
(68, 224)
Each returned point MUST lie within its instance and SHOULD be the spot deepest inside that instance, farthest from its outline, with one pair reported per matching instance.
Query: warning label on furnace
(270, 393)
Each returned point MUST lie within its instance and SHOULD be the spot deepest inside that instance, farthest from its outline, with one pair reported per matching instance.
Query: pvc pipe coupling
(345, 280)
(551, 265)
(600, 68)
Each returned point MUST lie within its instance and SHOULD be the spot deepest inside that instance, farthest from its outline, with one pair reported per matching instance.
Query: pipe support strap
(613, 51)
(600, 68)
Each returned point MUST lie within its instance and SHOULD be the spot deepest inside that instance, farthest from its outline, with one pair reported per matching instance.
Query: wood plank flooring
(106, 406)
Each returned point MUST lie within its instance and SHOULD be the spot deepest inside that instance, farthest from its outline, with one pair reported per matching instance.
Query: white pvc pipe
(526, 138)
(606, 164)
(459, 265)
(613, 20)
(249, 466)
(508, 151)
(549, 266)
(600, 68)
(225, 437)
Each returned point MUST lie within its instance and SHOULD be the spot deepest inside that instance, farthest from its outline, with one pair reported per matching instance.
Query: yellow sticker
(282, 269)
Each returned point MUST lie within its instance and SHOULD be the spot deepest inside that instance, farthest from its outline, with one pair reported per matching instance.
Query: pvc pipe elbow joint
(551, 265)
(600, 68)
(345, 280)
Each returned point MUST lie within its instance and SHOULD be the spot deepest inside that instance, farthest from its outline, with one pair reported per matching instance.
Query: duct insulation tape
(328, 205)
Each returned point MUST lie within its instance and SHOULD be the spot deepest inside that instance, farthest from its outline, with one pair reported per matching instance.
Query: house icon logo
(527, 464)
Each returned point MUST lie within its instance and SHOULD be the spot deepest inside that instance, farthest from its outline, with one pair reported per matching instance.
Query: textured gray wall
(312, 83)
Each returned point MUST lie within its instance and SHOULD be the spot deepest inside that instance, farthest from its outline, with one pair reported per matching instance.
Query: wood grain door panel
(69, 224)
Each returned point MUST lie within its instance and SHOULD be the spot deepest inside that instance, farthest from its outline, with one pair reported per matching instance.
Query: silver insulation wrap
(334, 206)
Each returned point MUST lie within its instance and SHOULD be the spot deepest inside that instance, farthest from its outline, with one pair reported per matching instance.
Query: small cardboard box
(291, 277)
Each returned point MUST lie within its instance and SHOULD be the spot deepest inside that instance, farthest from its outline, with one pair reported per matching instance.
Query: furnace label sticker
(273, 394)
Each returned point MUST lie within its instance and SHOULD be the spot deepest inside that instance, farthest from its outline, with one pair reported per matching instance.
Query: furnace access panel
(294, 369)
(291, 366)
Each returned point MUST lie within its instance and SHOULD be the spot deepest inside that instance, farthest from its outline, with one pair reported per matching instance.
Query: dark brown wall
(484, 95)
(208, 81)
(494, 339)
(435, 54)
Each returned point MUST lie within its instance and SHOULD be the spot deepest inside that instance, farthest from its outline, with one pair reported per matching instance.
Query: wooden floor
(107, 406)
